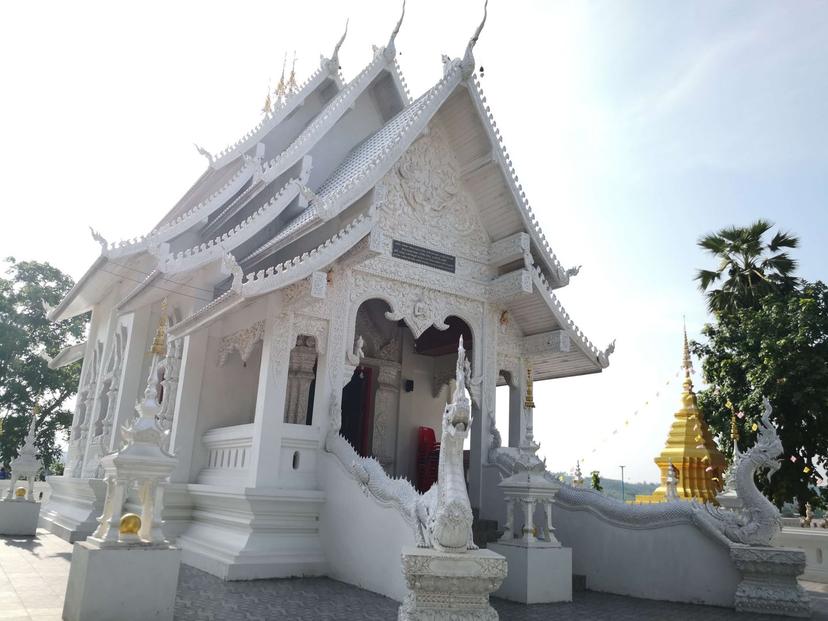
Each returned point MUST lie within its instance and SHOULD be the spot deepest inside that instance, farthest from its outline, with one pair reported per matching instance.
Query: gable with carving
(422, 200)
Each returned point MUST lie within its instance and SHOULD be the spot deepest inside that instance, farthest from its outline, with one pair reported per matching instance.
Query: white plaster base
(73, 508)
(254, 533)
(128, 583)
(19, 517)
(538, 574)
(769, 581)
(814, 543)
(443, 586)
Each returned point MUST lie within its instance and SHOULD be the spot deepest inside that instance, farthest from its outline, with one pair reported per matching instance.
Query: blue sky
(635, 127)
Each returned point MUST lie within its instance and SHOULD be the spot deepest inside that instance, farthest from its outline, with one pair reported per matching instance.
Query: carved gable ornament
(422, 200)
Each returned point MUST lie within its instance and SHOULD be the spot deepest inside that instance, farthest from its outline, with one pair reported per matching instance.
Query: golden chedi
(691, 448)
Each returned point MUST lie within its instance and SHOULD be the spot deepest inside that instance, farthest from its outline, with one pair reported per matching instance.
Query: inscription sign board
(423, 256)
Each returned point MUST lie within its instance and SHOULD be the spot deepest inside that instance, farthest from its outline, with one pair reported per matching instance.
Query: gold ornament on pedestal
(130, 524)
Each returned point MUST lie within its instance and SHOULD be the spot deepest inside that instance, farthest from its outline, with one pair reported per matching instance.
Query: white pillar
(300, 377)
(187, 400)
(270, 398)
(485, 348)
(386, 415)
(516, 429)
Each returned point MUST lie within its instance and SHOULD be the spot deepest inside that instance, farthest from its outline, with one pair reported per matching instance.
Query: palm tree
(748, 268)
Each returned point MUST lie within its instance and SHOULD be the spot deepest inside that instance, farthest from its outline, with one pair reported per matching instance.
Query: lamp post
(623, 497)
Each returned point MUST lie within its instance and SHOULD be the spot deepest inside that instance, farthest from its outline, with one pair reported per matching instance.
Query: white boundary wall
(362, 539)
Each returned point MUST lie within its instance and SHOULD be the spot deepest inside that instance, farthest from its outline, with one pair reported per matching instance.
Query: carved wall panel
(422, 200)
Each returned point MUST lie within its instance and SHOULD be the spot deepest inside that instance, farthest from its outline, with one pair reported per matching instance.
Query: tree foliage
(749, 268)
(25, 377)
(776, 346)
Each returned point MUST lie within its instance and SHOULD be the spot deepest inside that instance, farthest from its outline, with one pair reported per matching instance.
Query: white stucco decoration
(26, 464)
(143, 464)
(444, 513)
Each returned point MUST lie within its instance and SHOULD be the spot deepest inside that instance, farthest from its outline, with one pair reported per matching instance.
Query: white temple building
(306, 297)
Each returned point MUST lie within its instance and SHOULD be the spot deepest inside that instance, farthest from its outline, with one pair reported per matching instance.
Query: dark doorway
(356, 411)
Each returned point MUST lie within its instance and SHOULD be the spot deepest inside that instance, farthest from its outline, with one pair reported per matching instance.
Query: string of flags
(806, 469)
(635, 414)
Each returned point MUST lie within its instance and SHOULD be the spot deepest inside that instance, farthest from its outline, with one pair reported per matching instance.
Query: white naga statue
(444, 514)
(758, 521)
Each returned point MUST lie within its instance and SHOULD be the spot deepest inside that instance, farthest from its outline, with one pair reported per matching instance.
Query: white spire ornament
(26, 464)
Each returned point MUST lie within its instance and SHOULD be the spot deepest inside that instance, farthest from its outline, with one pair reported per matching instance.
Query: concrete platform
(34, 572)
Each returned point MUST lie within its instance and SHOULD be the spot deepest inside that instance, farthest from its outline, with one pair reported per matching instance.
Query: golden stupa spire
(690, 448)
(687, 362)
(529, 401)
(159, 343)
(292, 87)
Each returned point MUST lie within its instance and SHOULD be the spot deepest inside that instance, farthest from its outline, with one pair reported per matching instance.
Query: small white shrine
(19, 511)
(314, 283)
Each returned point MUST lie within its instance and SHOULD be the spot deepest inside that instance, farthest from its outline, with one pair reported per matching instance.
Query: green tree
(596, 481)
(25, 377)
(777, 349)
(749, 268)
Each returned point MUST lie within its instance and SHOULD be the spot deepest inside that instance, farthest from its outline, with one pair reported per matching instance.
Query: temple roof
(246, 226)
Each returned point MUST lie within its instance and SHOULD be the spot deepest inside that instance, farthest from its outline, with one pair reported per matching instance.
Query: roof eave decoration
(390, 51)
(467, 64)
(553, 266)
(64, 309)
(228, 154)
(273, 278)
(65, 356)
(331, 65)
(599, 357)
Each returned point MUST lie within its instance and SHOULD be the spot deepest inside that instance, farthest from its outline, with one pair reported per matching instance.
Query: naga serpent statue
(444, 514)
(758, 521)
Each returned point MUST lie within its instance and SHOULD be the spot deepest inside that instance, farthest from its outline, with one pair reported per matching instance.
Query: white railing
(229, 450)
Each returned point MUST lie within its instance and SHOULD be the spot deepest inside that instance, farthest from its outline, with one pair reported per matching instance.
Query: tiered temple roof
(296, 179)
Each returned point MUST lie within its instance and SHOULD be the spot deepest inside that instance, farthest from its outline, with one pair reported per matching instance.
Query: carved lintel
(242, 341)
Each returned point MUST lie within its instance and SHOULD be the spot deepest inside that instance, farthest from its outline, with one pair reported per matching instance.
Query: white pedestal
(769, 581)
(450, 587)
(126, 582)
(538, 574)
(19, 517)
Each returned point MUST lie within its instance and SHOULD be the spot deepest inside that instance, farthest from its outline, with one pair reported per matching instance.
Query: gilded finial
(734, 429)
(529, 401)
(159, 343)
(687, 362)
(268, 107)
(292, 87)
(280, 87)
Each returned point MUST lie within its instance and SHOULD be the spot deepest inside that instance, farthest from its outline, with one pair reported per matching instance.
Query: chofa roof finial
(333, 63)
(468, 59)
(391, 49)
(281, 89)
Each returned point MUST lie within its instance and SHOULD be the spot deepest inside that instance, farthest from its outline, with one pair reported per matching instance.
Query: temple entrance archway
(401, 385)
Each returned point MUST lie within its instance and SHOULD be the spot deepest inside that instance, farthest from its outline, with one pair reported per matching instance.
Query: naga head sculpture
(457, 415)
(768, 446)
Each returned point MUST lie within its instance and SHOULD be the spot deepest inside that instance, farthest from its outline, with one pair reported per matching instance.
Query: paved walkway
(33, 575)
